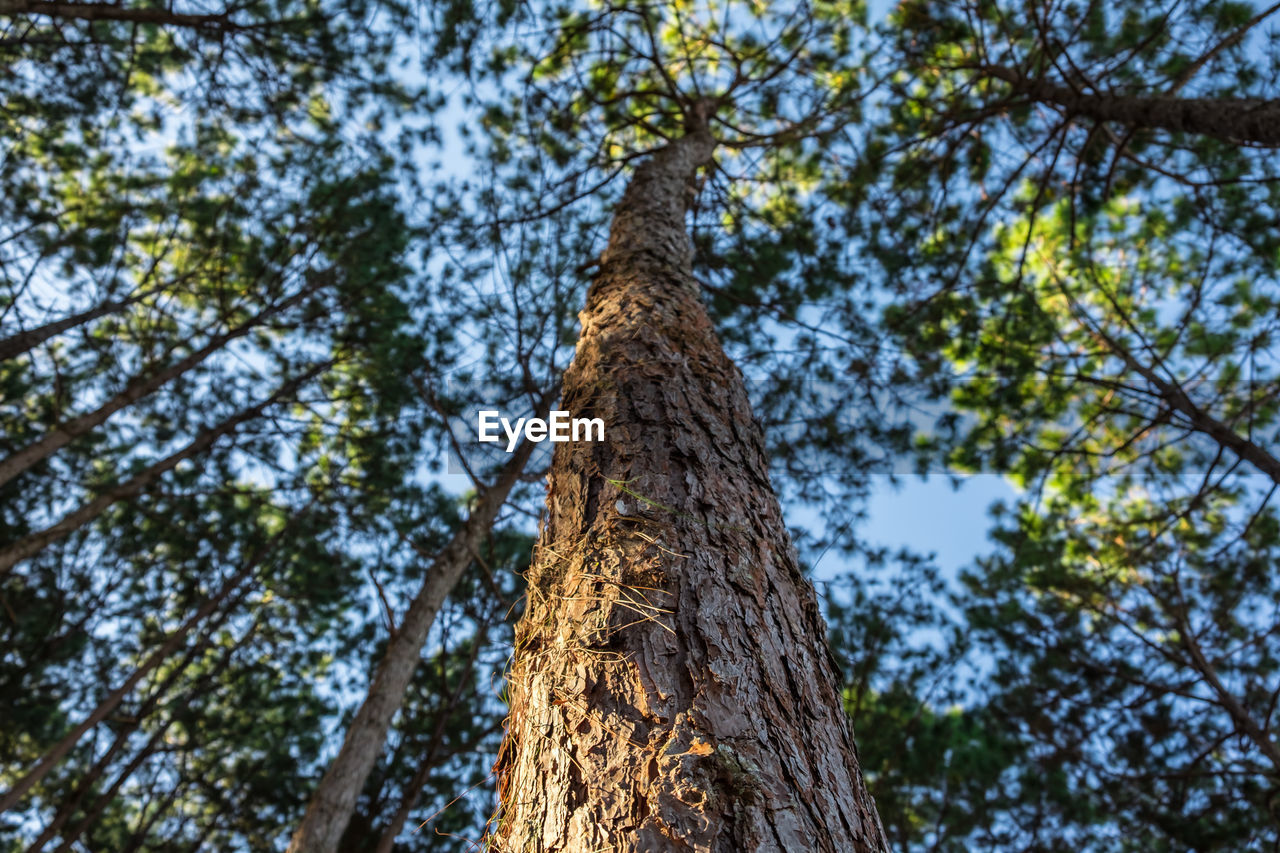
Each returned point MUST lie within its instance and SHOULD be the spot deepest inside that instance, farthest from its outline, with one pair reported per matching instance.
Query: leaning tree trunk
(1242, 120)
(671, 687)
(334, 800)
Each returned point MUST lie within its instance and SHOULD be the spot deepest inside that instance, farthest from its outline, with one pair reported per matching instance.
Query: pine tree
(671, 685)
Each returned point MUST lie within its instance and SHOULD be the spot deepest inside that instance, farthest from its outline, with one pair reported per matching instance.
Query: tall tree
(671, 684)
(203, 301)
(671, 646)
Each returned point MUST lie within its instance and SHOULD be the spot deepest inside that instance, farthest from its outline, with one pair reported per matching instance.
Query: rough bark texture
(1247, 120)
(671, 687)
(332, 804)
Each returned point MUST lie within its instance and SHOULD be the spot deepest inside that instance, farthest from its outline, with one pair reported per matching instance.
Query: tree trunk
(334, 800)
(1240, 120)
(431, 755)
(671, 687)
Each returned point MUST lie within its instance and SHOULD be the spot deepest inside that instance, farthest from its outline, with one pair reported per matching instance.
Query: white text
(559, 427)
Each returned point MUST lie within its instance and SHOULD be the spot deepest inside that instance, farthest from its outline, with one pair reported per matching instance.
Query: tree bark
(1240, 120)
(33, 544)
(671, 688)
(334, 800)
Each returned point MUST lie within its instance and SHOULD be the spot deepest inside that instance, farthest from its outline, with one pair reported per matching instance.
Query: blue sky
(929, 515)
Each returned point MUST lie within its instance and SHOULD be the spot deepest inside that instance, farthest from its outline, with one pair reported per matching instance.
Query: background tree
(207, 437)
(1086, 271)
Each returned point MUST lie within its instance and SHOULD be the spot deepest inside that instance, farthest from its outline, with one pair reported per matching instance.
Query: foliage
(1094, 295)
(221, 222)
